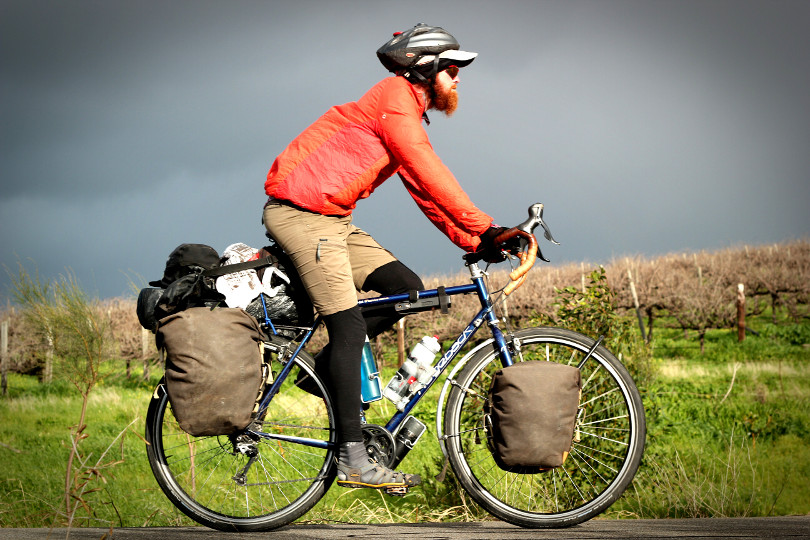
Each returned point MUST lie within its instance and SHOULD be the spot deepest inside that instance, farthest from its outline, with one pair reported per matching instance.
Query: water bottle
(423, 354)
(369, 376)
(416, 371)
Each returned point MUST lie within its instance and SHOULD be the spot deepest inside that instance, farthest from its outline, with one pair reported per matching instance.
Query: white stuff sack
(241, 288)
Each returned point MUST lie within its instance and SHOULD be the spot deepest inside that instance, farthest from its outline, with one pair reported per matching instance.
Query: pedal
(397, 491)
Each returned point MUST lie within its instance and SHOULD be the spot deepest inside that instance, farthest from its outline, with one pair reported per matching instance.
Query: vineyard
(695, 292)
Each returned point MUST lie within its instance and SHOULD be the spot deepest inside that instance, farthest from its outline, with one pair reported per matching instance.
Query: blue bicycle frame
(485, 315)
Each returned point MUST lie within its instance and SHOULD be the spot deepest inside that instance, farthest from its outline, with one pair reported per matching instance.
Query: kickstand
(241, 476)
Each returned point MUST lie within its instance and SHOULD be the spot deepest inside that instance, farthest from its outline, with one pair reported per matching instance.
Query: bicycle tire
(285, 480)
(599, 467)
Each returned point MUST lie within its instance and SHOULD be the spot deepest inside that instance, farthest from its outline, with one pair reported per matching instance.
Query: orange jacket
(355, 147)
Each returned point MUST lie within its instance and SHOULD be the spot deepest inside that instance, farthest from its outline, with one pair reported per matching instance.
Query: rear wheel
(249, 483)
(605, 454)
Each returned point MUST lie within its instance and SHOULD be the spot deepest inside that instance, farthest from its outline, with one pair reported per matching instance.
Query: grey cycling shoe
(375, 476)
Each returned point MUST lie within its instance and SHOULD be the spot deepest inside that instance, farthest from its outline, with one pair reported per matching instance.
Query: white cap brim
(462, 58)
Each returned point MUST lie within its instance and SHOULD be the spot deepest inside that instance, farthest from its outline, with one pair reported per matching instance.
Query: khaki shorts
(332, 256)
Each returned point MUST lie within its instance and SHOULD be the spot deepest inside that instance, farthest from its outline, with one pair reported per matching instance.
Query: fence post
(145, 334)
(4, 356)
(582, 276)
(636, 304)
(47, 376)
(740, 312)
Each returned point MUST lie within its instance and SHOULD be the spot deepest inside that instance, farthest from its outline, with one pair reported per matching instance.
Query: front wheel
(605, 453)
(249, 483)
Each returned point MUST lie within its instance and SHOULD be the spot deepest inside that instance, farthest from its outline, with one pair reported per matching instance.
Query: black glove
(489, 251)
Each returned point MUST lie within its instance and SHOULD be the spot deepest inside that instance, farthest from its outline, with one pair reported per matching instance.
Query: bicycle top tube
(429, 293)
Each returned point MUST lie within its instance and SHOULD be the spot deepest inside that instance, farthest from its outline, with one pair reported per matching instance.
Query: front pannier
(533, 410)
(213, 368)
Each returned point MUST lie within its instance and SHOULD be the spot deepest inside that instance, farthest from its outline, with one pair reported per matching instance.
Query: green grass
(35, 427)
(728, 430)
(713, 449)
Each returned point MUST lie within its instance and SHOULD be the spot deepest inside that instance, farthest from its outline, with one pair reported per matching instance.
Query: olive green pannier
(213, 368)
(532, 414)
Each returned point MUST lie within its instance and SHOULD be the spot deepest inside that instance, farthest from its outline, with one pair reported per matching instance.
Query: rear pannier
(213, 368)
(207, 312)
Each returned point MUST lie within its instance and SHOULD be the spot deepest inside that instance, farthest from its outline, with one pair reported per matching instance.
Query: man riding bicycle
(314, 185)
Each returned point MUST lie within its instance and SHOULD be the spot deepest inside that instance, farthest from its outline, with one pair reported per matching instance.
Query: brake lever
(535, 219)
(540, 254)
(524, 243)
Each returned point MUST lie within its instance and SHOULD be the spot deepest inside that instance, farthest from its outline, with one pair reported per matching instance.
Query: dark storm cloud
(646, 127)
(104, 100)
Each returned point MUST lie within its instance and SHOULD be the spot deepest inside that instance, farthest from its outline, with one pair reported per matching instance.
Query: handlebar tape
(527, 257)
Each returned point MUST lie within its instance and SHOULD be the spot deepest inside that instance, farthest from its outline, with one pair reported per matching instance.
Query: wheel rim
(283, 480)
(589, 479)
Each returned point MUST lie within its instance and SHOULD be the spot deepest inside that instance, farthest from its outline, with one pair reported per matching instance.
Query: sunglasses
(452, 71)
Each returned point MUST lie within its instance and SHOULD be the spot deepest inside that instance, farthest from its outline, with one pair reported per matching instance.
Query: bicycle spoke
(591, 449)
(605, 438)
(605, 465)
(215, 481)
(584, 474)
(600, 396)
(590, 377)
(598, 457)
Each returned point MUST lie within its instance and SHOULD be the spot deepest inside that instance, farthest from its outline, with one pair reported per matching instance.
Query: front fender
(446, 388)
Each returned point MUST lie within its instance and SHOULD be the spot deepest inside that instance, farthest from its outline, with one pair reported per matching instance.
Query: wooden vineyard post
(47, 376)
(636, 304)
(146, 340)
(4, 356)
(582, 275)
(740, 312)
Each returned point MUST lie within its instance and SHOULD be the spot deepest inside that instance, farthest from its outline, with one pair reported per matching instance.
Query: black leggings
(340, 359)
(389, 279)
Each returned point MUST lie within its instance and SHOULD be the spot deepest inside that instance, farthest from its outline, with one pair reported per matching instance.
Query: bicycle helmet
(422, 52)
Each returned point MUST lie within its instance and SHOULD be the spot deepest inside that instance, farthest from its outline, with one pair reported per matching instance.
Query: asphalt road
(739, 528)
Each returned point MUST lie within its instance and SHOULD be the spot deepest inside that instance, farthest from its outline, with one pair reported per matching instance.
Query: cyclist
(314, 185)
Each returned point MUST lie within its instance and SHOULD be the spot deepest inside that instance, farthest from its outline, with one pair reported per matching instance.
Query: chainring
(379, 444)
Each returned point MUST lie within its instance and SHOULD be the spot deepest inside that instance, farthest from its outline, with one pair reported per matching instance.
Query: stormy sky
(646, 127)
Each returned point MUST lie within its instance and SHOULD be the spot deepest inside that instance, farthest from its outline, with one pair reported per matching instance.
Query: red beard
(444, 101)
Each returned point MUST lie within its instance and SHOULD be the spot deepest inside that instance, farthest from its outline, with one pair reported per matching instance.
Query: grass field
(728, 435)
